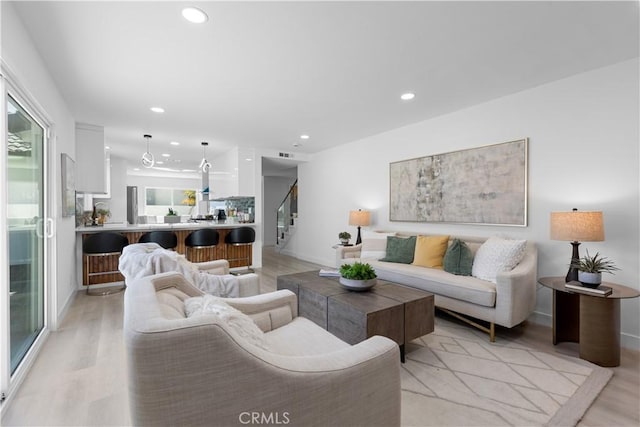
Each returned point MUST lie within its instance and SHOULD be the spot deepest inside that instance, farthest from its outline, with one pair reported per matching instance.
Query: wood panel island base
(236, 254)
(391, 310)
(593, 321)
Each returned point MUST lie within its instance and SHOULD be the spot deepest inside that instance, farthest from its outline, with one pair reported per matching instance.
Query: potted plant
(357, 276)
(344, 237)
(103, 214)
(590, 269)
(171, 217)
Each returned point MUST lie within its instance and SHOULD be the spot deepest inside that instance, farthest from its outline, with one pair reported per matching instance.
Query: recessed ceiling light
(136, 169)
(166, 155)
(174, 143)
(248, 159)
(157, 109)
(107, 148)
(407, 96)
(304, 136)
(194, 15)
(160, 162)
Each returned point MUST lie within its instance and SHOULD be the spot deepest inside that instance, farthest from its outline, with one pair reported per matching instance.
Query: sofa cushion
(497, 255)
(171, 303)
(464, 288)
(400, 249)
(374, 245)
(232, 318)
(458, 259)
(430, 251)
(302, 337)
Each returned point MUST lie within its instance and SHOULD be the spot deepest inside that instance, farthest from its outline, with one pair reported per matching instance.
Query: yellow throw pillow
(430, 251)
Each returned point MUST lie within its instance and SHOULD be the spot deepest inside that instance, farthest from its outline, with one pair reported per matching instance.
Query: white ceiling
(260, 74)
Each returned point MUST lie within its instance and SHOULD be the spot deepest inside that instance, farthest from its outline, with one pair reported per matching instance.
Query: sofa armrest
(347, 252)
(171, 279)
(218, 266)
(516, 290)
(269, 311)
(249, 284)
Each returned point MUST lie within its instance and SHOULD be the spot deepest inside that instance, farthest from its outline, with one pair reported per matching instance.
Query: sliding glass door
(25, 229)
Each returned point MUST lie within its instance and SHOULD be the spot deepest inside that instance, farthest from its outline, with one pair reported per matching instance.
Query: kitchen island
(235, 254)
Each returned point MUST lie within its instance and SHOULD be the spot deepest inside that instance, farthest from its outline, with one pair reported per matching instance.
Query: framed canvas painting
(485, 185)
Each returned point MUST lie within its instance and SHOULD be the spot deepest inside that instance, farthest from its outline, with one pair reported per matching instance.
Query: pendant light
(204, 164)
(147, 158)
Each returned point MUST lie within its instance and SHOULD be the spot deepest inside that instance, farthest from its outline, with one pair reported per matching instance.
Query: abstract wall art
(484, 185)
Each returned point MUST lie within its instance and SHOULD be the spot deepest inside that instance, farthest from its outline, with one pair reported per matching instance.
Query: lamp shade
(577, 226)
(360, 218)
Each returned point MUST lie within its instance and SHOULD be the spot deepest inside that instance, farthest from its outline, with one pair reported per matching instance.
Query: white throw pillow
(242, 324)
(497, 255)
(374, 245)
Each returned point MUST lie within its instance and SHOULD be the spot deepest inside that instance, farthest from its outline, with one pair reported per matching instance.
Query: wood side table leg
(600, 330)
(566, 317)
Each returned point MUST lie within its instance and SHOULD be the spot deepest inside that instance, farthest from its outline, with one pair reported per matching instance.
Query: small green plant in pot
(344, 237)
(357, 276)
(590, 269)
(171, 217)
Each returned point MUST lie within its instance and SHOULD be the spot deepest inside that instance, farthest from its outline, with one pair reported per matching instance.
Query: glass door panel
(25, 221)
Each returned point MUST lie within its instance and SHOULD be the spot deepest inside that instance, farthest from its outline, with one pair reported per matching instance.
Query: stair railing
(285, 213)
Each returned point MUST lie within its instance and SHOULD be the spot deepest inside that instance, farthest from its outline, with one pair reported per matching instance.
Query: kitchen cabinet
(91, 171)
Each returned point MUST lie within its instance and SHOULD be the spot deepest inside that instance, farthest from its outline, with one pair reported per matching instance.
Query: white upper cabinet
(91, 174)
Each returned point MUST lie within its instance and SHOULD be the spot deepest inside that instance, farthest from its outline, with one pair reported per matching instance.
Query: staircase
(287, 215)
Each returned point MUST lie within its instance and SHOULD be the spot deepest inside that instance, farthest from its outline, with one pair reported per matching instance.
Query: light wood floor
(79, 378)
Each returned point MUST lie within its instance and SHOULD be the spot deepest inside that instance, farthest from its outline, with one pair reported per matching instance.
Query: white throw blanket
(145, 259)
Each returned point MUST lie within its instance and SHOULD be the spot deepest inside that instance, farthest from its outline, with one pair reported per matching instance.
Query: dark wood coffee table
(391, 310)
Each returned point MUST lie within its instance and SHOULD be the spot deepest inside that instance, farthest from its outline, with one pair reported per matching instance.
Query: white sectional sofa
(507, 302)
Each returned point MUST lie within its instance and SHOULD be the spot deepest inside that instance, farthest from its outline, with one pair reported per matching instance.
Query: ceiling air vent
(286, 155)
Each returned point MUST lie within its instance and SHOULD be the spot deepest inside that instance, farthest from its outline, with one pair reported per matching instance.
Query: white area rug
(456, 377)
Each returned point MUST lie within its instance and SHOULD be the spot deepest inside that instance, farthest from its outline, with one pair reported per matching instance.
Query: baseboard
(628, 341)
(65, 309)
(540, 318)
(319, 261)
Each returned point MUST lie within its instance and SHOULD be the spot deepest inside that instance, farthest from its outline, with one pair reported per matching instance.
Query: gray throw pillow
(400, 249)
(458, 259)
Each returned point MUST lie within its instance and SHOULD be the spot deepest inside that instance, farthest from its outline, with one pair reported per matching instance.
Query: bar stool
(166, 239)
(242, 236)
(103, 245)
(205, 238)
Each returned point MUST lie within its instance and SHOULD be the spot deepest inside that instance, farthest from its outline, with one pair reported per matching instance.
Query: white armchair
(200, 371)
(145, 259)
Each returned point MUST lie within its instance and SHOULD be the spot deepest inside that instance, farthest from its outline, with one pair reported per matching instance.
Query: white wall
(583, 153)
(23, 59)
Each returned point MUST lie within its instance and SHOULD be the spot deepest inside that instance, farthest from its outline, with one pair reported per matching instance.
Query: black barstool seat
(201, 239)
(166, 239)
(241, 236)
(103, 244)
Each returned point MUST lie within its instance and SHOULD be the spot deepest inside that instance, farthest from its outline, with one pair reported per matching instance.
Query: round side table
(591, 320)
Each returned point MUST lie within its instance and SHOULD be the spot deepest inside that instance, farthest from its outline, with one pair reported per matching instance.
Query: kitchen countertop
(175, 226)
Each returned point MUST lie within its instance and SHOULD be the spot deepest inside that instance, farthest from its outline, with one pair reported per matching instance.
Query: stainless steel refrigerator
(132, 205)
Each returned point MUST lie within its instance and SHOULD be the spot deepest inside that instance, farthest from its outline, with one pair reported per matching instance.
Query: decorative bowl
(357, 285)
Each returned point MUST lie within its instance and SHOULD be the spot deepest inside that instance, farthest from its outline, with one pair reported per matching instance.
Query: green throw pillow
(458, 259)
(400, 249)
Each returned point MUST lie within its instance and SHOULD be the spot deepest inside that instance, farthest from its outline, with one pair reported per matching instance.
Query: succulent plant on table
(590, 268)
